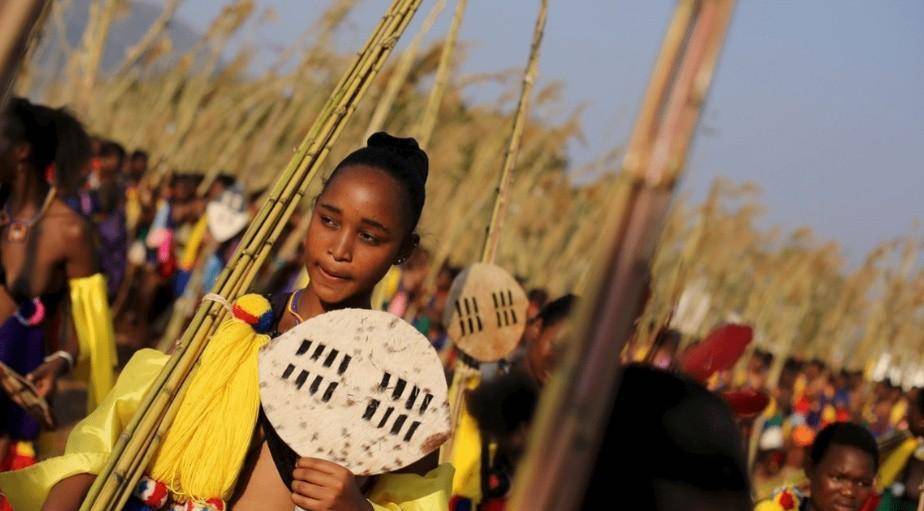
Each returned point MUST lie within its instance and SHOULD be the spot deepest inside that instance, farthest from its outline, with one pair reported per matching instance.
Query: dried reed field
(205, 110)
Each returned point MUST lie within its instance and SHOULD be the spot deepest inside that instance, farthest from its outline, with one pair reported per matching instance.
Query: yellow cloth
(798, 387)
(91, 440)
(132, 208)
(898, 412)
(95, 336)
(302, 280)
(411, 492)
(386, 289)
(466, 446)
(893, 466)
(193, 244)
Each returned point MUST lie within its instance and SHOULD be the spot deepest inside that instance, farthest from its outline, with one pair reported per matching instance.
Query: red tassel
(717, 352)
(746, 403)
(871, 503)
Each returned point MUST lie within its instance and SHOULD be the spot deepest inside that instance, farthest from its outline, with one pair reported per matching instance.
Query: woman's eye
(326, 220)
(368, 238)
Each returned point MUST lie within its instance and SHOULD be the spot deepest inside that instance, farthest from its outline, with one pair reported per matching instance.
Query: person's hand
(46, 375)
(321, 485)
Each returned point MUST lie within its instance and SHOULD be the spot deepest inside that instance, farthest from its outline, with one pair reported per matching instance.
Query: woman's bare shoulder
(71, 226)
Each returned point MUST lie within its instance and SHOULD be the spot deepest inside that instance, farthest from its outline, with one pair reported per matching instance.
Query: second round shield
(485, 312)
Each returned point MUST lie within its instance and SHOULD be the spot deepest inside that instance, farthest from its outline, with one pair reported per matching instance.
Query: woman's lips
(338, 277)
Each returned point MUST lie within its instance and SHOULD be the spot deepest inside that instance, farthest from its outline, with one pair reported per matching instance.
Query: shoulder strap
(278, 302)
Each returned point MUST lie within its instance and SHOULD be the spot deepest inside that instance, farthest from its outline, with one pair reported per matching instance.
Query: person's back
(670, 444)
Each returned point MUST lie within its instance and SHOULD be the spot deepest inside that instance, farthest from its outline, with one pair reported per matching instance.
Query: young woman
(363, 222)
(841, 469)
(45, 248)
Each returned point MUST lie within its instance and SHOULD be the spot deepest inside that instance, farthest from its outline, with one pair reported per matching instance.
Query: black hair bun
(407, 148)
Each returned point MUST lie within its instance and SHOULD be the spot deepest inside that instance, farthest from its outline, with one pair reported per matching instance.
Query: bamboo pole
(573, 411)
(428, 120)
(493, 231)
(463, 374)
(401, 71)
(19, 21)
(138, 442)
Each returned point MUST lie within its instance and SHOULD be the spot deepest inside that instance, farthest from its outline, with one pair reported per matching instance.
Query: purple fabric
(22, 348)
(113, 255)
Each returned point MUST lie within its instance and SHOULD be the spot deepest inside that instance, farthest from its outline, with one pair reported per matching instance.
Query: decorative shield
(361, 388)
(485, 312)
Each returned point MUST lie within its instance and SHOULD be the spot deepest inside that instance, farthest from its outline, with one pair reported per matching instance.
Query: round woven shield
(361, 388)
(485, 312)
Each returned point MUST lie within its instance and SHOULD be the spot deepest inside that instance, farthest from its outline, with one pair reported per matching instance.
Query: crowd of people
(101, 249)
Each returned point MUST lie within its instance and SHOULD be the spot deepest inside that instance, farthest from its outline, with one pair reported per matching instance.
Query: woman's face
(357, 231)
(842, 480)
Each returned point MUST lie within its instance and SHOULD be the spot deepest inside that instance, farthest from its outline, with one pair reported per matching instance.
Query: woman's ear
(407, 249)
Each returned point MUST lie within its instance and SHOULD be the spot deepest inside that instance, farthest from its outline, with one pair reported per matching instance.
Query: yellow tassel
(204, 449)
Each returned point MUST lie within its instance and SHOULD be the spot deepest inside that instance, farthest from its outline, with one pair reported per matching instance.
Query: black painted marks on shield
(411, 431)
(303, 347)
(398, 424)
(385, 379)
(317, 352)
(300, 380)
(399, 389)
(503, 308)
(412, 398)
(426, 402)
(469, 315)
(313, 389)
(328, 361)
(370, 409)
(331, 387)
(386, 416)
(410, 395)
(331, 356)
(344, 364)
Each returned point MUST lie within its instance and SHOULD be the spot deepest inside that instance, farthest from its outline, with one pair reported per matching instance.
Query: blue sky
(818, 101)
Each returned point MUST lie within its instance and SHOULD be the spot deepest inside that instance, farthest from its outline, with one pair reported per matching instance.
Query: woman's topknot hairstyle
(402, 159)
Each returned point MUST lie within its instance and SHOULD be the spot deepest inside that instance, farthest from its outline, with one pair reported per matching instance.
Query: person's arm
(79, 261)
(7, 304)
(68, 494)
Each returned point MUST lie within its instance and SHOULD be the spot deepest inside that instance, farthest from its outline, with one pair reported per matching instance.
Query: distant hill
(127, 29)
